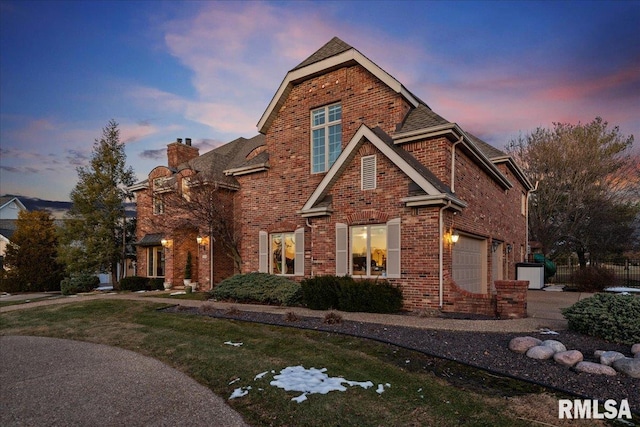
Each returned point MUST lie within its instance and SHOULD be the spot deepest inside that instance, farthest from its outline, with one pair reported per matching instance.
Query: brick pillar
(511, 298)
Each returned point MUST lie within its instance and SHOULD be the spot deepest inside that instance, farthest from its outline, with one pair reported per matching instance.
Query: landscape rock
(628, 366)
(595, 368)
(557, 346)
(540, 352)
(608, 357)
(635, 349)
(598, 353)
(523, 344)
(637, 355)
(568, 358)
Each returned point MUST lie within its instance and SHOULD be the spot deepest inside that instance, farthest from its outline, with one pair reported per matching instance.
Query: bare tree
(588, 187)
(205, 205)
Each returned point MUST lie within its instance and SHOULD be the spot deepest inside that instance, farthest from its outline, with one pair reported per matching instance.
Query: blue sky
(207, 70)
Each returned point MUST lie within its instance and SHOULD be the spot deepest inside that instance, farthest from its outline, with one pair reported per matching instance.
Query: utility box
(531, 271)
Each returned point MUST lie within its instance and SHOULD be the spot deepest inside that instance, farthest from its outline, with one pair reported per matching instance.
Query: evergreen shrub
(347, 294)
(79, 282)
(134, 283)
(258, 287)
(613, 317)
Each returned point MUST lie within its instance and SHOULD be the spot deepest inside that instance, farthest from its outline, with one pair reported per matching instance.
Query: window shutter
(393, 249)
(368, 172)
(299, 261)
(263, 249)
(342, 252)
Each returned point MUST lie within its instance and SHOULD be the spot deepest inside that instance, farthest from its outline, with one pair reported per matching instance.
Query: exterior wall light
(455, 237)
(166, 243)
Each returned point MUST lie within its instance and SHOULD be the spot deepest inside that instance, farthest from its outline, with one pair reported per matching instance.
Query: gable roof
(435, 192)
(7, 200)
(333, 55)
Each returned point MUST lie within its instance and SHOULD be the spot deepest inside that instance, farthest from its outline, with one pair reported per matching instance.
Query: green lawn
(195, 345)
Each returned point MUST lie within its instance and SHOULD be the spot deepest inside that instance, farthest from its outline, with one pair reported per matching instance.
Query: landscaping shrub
(321, 292)
(593, 279)
(613, 317)
(258, 287)
(156, 284)
(348, 294)
(134, 283)
(80, 282)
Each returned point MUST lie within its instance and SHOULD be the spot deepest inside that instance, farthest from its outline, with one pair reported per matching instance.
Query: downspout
(441, 254)
(311, 227)
(453, 164)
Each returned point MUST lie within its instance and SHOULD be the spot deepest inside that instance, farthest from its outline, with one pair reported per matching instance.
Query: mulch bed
(486, 350)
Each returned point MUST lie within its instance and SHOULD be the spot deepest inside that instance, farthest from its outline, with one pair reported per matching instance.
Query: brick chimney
(178, 153)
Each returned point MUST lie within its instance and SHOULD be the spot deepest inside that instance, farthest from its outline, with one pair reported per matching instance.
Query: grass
(195, 345)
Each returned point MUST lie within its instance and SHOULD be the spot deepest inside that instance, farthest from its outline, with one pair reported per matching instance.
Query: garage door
(469, 264)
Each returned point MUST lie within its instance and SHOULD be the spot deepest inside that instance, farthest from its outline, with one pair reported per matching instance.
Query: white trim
(351, 55)
(368, 134)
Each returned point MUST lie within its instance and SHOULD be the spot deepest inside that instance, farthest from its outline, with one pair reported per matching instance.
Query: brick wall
(269, 200)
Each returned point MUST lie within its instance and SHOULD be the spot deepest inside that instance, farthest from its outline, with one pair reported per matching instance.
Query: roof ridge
(333, 47)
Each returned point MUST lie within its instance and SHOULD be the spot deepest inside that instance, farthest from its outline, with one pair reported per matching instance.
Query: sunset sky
(207, 70)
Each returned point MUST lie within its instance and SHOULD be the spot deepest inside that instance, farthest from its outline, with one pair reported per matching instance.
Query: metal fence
(626, 272)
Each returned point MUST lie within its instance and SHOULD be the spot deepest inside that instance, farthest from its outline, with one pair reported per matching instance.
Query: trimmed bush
(593, 279)
(613, 317)
(77, 283)
(347, 294)
(258, 287)
(156, 284)
(134, 283)
(321, 292)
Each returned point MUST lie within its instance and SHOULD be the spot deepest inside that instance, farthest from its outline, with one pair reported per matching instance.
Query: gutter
(441, 253)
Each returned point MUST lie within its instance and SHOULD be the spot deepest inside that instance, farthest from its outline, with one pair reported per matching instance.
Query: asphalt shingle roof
(335, 46)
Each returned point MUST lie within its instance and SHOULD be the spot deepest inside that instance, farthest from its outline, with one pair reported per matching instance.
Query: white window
(368, 250)
(282, 253)
(155, 261)
(326, 137)
(368, 173)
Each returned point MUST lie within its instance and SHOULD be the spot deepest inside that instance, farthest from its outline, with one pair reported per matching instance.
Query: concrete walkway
(55, 382)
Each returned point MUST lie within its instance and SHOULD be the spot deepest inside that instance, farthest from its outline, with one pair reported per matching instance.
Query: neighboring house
(352, 174)
(10, 208)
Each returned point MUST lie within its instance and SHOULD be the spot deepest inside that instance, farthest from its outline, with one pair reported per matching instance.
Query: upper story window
(326, 137)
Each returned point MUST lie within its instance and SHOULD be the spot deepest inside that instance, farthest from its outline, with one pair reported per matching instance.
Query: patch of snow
(260, 375)
(622, 289)
(235, 344)
(300, 398)
(140, 292)
(104, 288)
(178, 293)
(545, 331)
(239, 392)
(234, 381)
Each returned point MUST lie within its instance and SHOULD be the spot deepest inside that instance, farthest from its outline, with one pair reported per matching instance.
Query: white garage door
(469, 264)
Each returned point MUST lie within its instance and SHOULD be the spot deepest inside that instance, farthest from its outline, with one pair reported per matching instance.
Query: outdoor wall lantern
(495, 244)
(509, 248)
(199, 240)
(166, 243)
(454, 236)
(202, 241)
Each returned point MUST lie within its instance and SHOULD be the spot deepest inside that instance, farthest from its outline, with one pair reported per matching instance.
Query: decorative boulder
(568, 358)
(635, 349)
(557, 346)
(628, 366)
(608, 357)
(523, 344)
(637, 355)
(540, 352)
(595, 368)
(598, 353)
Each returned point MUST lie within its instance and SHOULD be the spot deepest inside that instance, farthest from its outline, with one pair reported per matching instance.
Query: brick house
(352, 174)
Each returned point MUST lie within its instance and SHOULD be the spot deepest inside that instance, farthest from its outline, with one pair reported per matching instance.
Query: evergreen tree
(31, 257)
(93, 231)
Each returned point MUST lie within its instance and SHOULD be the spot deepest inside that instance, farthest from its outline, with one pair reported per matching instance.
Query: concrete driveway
(55, 382)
